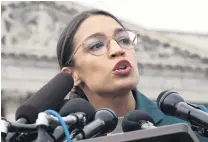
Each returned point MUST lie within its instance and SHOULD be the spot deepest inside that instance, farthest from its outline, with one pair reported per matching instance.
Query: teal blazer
(145, 104)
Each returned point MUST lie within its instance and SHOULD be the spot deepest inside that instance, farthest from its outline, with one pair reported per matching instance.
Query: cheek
(91, 68)
(132, 56)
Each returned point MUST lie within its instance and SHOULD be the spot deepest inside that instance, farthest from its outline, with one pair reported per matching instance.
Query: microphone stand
(43, 135)
(4, 129)
(12, 136)
(42, 125)
(3, 137)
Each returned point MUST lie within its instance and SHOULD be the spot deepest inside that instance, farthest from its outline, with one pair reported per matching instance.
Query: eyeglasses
(98, 44)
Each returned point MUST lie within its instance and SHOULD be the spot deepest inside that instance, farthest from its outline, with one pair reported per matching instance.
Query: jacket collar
(145, 104)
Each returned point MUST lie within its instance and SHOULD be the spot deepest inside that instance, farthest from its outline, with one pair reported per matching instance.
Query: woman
(99, 52)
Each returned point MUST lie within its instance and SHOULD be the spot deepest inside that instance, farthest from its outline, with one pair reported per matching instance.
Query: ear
(73, 73)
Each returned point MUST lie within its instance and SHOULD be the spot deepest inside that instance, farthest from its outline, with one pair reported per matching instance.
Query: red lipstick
(122, 68)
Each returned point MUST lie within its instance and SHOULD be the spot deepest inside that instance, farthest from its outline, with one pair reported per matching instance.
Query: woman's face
(110, 73)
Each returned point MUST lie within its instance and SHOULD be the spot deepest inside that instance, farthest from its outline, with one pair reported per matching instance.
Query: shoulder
(150, 106)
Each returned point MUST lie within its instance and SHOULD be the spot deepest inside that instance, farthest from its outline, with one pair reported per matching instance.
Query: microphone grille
(167, 100)
(131, 121)
(161, 97)
(78, 105)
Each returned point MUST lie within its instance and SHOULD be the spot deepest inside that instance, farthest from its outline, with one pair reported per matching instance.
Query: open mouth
(122, 67)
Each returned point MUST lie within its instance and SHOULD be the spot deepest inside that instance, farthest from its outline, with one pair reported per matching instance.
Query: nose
(115, 49)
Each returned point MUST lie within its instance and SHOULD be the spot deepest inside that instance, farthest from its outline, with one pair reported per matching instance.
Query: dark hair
(65, 43)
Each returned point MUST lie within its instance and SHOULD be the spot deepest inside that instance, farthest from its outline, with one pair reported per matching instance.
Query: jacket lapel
(143, 103)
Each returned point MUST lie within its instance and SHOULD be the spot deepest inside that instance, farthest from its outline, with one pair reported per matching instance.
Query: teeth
(122, 67)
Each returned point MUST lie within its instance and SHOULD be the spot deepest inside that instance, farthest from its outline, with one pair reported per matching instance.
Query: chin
(126, 85)
(118, 89)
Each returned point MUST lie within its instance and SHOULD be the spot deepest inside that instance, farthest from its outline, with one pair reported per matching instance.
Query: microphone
(48, 97)
(170, 103)
(105, 121)
(137, 120)
(74, 106)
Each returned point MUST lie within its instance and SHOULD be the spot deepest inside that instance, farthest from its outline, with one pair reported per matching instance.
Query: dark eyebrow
(117, 30)
(98, 34)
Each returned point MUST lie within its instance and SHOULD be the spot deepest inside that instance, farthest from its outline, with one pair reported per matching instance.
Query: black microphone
(137, 120)
(48, 97)
(172, 104)
(74, 106)
(105, 121)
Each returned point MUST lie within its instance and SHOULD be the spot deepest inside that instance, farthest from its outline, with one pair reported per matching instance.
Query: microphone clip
(200, 130)
(76, 132)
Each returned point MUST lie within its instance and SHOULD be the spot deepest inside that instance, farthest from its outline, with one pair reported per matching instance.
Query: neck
(120, 104)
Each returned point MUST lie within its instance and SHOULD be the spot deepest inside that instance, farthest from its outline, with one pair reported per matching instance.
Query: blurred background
(174, 39)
